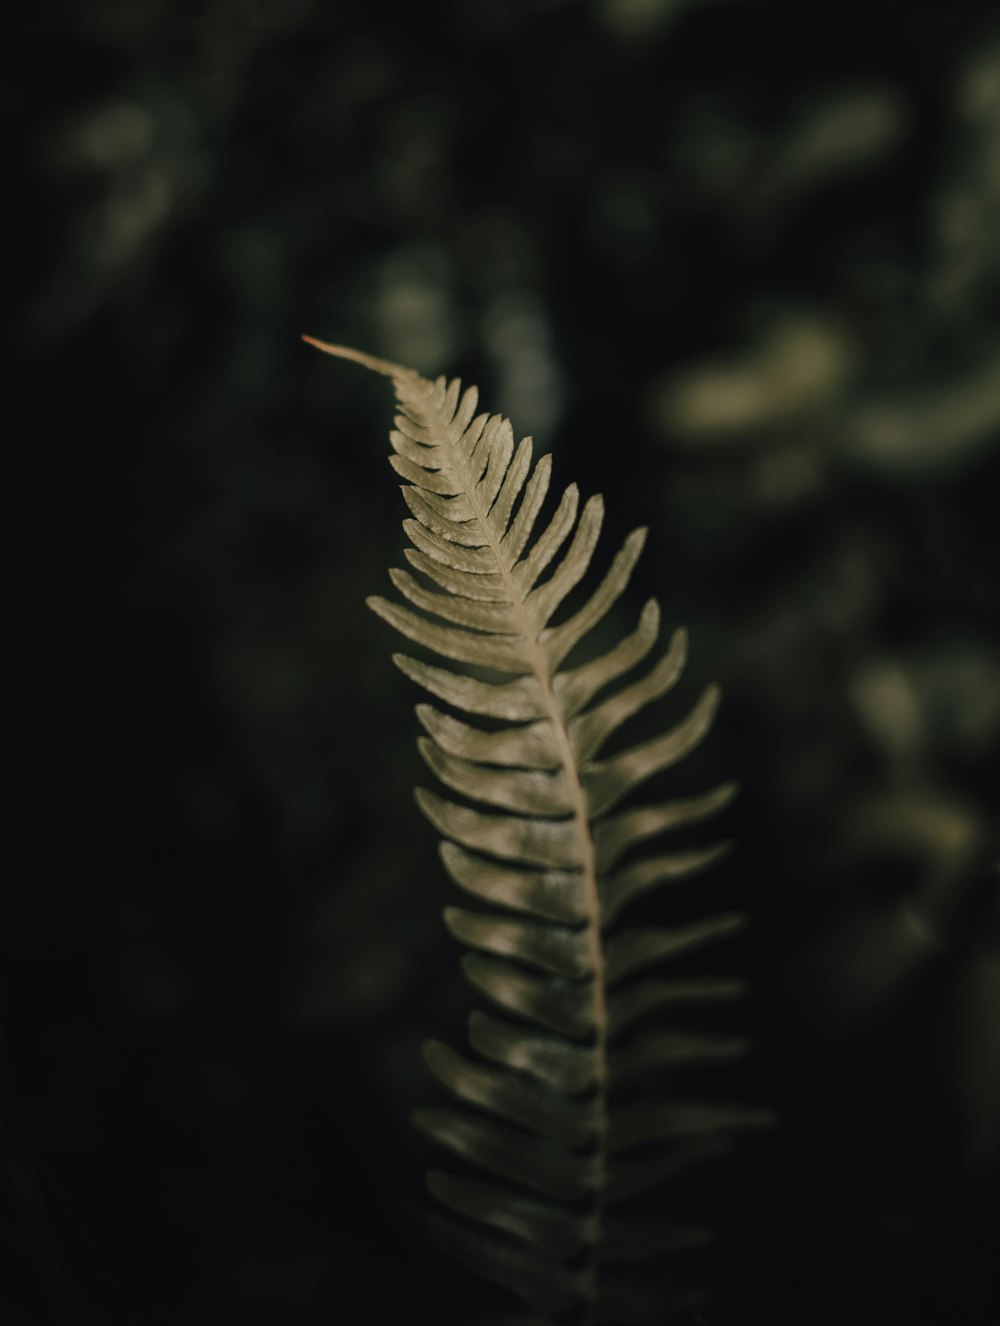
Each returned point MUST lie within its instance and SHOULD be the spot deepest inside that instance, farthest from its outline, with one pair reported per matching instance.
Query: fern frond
(549, 1111)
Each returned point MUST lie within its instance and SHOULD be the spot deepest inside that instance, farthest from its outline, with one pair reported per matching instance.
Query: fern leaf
(547, 1108)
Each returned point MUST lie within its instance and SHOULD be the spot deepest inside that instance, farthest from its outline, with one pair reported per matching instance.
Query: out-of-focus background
(736, 264)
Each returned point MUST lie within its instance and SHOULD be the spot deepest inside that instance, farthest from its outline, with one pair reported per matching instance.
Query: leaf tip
(453, 918)
(712, 696)
(432, 1051)
(728, 793)
(383, 366)
(426, 748)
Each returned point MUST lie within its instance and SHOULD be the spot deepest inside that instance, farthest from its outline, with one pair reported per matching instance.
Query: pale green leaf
(546, 598)
(576, 688)
(613, 837)
(553, 895)
(589, 731)
(434, 481)
(476, 616)
(515, 1098)
(553, 948)
(537, 842)
(641, 876)
(533, 1162)
(472, 560)
(499, 653)
(515, 701)
(526, 572)
(632, 950)
(530, 747)
(525, 790)
(501, 449)
(450, 517)
(559, 640)
(513, 483)
(521, 527)
(482, 587)
(552, 1001)
(608, 781)
(557, 1062)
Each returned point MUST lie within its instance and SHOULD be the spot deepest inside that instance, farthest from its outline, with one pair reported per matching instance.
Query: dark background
(737, 265)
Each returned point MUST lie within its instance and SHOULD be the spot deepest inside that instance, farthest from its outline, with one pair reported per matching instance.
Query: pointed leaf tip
(383, 366)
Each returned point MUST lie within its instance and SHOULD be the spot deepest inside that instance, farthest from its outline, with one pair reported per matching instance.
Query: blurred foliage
(758, 244)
